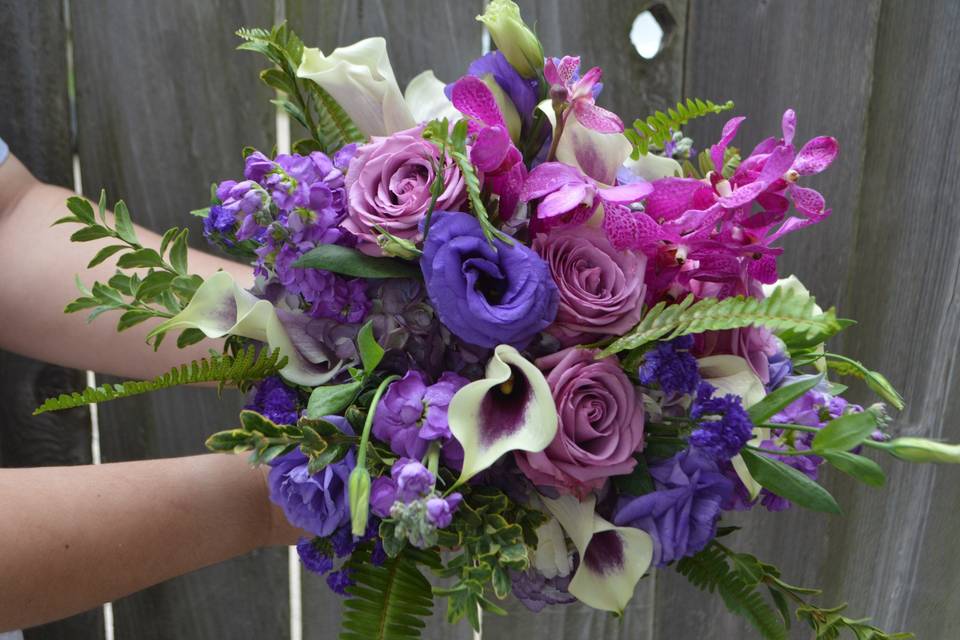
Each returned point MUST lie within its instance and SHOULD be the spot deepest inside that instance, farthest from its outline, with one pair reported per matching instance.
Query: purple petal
(548, 177)
(597, 118)
(490, 148)
(816, 155)
(563, 200)
(473, 98)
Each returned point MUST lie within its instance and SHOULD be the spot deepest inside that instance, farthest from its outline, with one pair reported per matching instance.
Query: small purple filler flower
(671, 366)
(276, 401)
(723, 425)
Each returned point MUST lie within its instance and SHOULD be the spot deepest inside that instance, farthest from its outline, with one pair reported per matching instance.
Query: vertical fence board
(165, 105)
(895, 556)
(35, 123)
(768, 56)
(420, 35)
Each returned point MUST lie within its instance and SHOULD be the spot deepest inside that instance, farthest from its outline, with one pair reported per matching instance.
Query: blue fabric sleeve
(4, 151)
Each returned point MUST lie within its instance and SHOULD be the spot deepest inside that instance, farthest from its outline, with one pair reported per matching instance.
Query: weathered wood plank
(164, 106)
(35, 122)
(766, 57)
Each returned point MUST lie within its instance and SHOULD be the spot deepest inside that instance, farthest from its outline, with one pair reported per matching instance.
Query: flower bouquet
(498, 338)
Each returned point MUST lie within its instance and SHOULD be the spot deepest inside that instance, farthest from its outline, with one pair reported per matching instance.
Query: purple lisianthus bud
(601, 289)
(681, 515)
(388, 185)
(317, 503)
(486, 295)
(600, 423)
(383, 493)
(413, 479)
(440, 510)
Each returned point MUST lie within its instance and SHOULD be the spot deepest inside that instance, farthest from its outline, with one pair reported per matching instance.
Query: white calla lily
(597, 155)
(652, 167)
(220, 307)
(510, 409)
(360, 78)
(612, 558)
(427, 101)
(733, 374)
(551, 557)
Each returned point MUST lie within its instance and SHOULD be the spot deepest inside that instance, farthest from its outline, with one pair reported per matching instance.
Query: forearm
(74, 537)
(39, 263)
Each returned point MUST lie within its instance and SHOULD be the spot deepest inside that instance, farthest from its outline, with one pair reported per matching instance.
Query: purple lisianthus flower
(486, 295)
(779, 366)
(383, 493)
(671, 366)
(413, 479)
(317, 503)
(276, 401)
(723, 425)
(681, 514)
(313, 558)
(536, 591)
(440, 510)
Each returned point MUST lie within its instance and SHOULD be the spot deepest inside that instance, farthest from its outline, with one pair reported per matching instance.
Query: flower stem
(368, 423)
(557, 133)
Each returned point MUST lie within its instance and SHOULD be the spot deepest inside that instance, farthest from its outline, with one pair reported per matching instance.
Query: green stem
(368, 423)
(557, 133)
(883, 446)
(433, 458)
(788, 452)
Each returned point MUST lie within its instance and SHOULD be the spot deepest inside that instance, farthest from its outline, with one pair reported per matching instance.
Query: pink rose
(601, 289)
(388, 186)
(600, 423)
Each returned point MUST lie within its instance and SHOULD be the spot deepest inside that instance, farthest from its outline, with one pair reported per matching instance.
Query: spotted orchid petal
(510, 409)
(733, 374)
(426, 100)
(612, 559)
(483, 101)
(220, 307)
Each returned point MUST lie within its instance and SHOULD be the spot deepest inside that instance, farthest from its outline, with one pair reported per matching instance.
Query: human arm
(86, 535)
(39, 261)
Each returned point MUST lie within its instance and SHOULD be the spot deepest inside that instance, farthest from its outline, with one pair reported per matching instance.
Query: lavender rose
(388, 185)
(601, 289)
(486, 295)
(600, 423)
(681, 515)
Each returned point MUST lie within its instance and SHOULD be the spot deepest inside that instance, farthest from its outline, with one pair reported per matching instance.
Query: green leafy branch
(792, 316)
(240, 370)
(658, 129)
(741, 579)
(329, 126)
(165, 289)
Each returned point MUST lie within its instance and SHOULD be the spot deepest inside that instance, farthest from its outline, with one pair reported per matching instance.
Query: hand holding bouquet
(498, 337)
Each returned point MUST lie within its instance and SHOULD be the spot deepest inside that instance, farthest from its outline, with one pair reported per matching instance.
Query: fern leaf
(336, 129)
(659, 128)
(245, 366)
(387, 602)
(790, 315)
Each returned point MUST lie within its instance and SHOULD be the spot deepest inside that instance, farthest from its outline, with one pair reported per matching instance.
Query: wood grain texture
(165, 105)
(35, 123)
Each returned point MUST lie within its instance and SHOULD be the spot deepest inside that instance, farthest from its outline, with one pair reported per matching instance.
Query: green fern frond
(246, 366)
(657, 129)
(252, 33)
(335, 128)
(877, 382)
(387, 602)
(792, 316)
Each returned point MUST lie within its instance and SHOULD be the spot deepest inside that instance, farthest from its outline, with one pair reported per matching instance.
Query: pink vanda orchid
(578, 94)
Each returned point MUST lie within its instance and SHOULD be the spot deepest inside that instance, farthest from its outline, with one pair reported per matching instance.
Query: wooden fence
(163, 105)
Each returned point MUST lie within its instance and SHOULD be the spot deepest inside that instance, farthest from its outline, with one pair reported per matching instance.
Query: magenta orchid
(579, 94)
(571, 198)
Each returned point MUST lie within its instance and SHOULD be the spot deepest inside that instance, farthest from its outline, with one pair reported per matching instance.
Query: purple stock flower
(317, 503)
(671, 366)
(805, 464)
(536, 591)
(276, 401)
(383, 493)
(723, 425)
(440, 510)
(412, 478)
(486, 295)
(313, 558)
(681, 515)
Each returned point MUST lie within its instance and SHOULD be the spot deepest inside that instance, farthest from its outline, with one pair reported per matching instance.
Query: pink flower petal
(563, 200)
(597, 118)
(809, 202)
(789, 125)
(671, 197)
(567, 67)
(473, 98)
(548, 177)
(743, 195)
(729, 131)
(490, 148)
(816, 155)
(626, 193)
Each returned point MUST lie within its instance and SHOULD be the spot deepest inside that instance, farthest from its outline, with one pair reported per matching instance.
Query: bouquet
(500, 339)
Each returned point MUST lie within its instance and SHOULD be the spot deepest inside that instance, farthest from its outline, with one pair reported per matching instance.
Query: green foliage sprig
(329, 126)
(658, 129)
(165, 289)
(240, 370)
(741, 578)
(793, 317)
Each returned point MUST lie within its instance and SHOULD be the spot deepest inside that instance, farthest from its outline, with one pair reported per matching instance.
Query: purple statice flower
(723, 425)
(671, 366)
(536, 591)
(276, 401)
(313, 558)
(338, 581)
(681, 514)
(806, 464)
(412, 413)
(486, 295)
(440, 510)
(317, 503)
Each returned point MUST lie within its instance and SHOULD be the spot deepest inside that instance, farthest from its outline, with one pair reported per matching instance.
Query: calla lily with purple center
(570, 198)
(220, 307)
(510, 409)
(612, 558)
